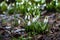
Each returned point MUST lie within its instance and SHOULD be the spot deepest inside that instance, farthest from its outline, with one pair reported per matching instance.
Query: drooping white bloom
(38, 4)
(46, 19)
(56, 2)
(34, 19)
(9, 6)
(34, 7)
(13, 4)
(19, 21)
(43, 1)
(30, 3)
(18, 3)
(26, 17)
(43, 6)
(29, 23)
(7, 0)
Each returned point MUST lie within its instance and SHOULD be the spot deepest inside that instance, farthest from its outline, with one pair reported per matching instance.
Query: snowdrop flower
(29, 23)
(19, 21)
(9, 7)
(46, 19)
(34, 7)
(13, 4)
(29, 9)
(30, 3)
(17, 3)
(43, 1)
(7, 0)
(26, 17)
(34, 19)
(42, 6)
(56, 2)
(38, 6)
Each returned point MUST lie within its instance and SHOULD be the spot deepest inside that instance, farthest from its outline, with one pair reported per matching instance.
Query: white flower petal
(46, 20)
(19, 21)
(29, 23)
(26, 17)
(7, 0)
(30, 3)
(34, 19)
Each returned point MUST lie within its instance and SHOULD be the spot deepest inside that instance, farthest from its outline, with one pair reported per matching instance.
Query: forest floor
(53, 34)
